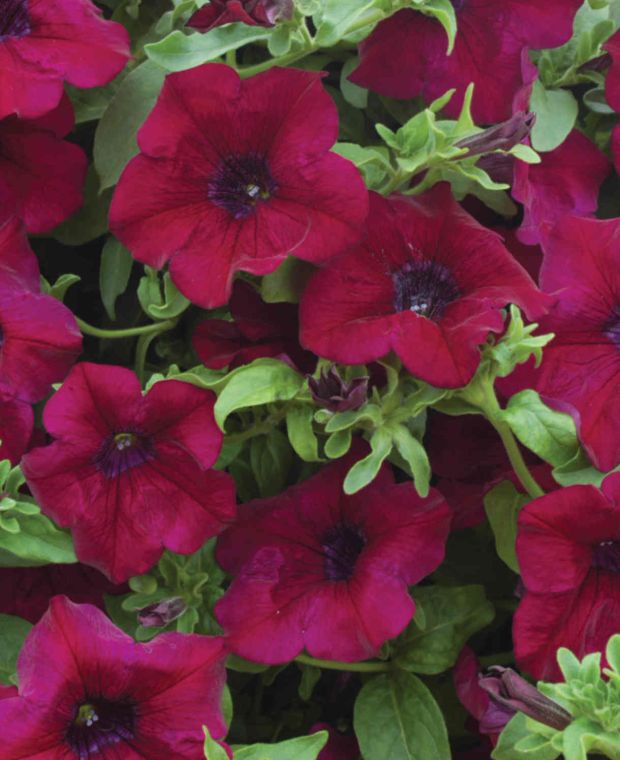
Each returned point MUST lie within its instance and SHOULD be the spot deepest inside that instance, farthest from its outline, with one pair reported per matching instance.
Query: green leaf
(288, 282)
(303, 748)
(338, 444)
(91, 220)
(59, 289)
(369, 413)
(443, 11)
(114, 273)
(612, 652)
(549, 434)
(354, 94)
(451, 615)
(579, 470)
(396, 717)
(13, 631)
(364, 472)
(516, 730)
(372, 161)
(301, 433)
(261, 382)
(502, 504)
(335, 18)
(556, 113)
(174, 302)
(38, 542)
(310, 676)
(115, 138)
(213, 750)
(179, 51)
(271, 459)
(414, 453)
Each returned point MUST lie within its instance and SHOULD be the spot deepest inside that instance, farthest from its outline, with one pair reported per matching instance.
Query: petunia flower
(316, 569)
(46, 42)
(406, 55)
(41, 175)
(251, 12)
(567, 181)
(87, 690)
(568, 547)
(16, 424)
(428, 283)
(330, 391)
(39, 337)
(235, 175)
(27, 591)
(580, 372)
(129, 473)
(339, 746)
(257, 329)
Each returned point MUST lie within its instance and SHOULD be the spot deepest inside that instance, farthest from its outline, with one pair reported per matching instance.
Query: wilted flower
(331, 392)
(161, 613)
(502, 136)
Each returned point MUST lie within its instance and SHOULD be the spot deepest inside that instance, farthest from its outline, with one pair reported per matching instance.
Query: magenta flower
(568, 546)
(27, 591)
(129, 473)
(257, 329)
(41, 175)
(406, 54)
(87, 690)
(612, 90)
(235, 175)
(580, 373)
(339, 746)
(318, 570)
(567, 181)
(251, 12)
(16, 424)
(39, 337)
(428, 283)
(44, 43)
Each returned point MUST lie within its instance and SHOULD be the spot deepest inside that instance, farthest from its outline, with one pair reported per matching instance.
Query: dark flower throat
(342, 546)
(14, 19)
(240, 183)
(99, 723)
(122, 451)
(424, 287)
(606, 556)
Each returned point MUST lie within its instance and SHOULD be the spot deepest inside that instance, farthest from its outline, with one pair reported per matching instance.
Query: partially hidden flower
(129, 473)
(331, 392)
(39, 337)
(406, 55)
(236, 175)
(16, 425)
(428, 283)
(316, 569)
(251, 12)
(507, 689)
(566, 181)
(161, 613)
(26, 591)
(87, 689)
(257, 329)
(339, 746)
(41, 175)
(568, 547)
(43, 44)
(580, 372)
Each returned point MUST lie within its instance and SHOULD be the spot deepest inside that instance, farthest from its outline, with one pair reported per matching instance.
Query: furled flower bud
(331, 392)
(251, 12)
(161, 613)
(508, 689)
(502, 136)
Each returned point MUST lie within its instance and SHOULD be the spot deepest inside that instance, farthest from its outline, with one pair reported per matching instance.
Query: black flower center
(99, 723)
(424, 287)
(122, 451)
(606, 556)
(14, 18)
(342, 545)
(240, 183)
(611, 329)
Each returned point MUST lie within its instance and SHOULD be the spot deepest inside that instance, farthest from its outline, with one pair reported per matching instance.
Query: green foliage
(303, 748)
(114, 273)
(396, 716)
(27, 537)
(445, 618)
(502, 504)
(91, 221)
(556, 112)
(13, 631)
(213, 750)
(159, 297)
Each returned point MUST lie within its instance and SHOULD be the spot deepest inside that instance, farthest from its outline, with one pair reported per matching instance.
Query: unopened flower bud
(161, 613)
(509, 690)
(502, 136)
(331, 392)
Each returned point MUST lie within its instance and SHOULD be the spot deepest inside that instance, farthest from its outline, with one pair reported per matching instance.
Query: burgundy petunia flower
(41, 175)
(43, 43)
(339, 746)
(319, 570)
(567, 181)
(87, 690)
(129, 473)
(330, 391)
(39, 337)
(580, 372)
(257, 329)
(406, 56)
(428, 283)
(235, 175)
(16, 424)
(568, 546)
(252, 12)
(27, 591)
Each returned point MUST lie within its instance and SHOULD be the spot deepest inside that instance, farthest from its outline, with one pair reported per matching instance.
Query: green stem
(354, 667)
(283, 60)
(142, 349)
(262, 428)
(398, 178)
(130, 332)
